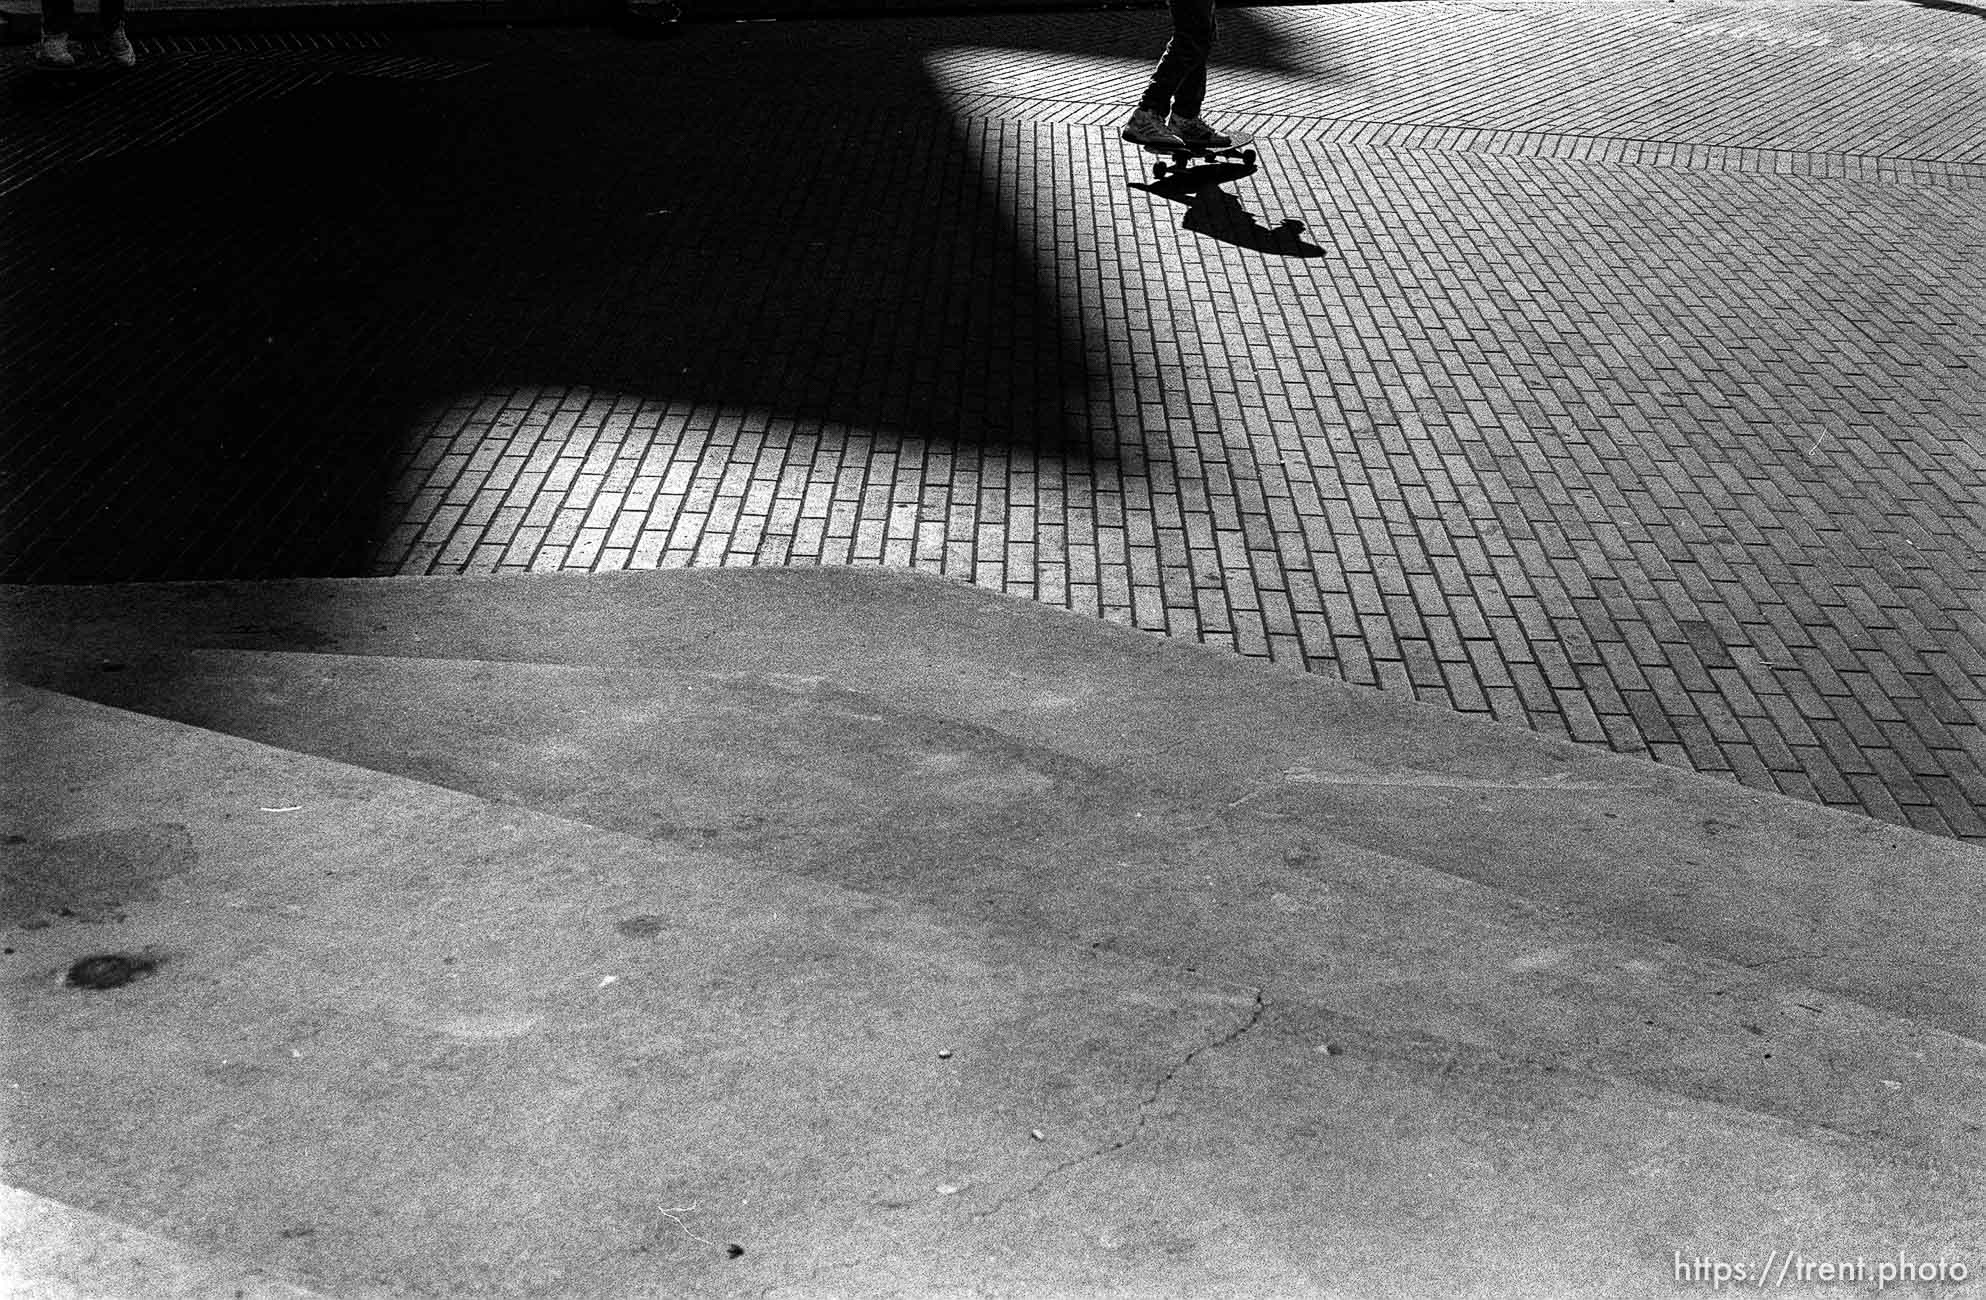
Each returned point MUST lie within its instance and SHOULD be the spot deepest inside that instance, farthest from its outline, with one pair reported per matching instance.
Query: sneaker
(1197, 133)
(53, 51)
(1146, 127)
(119, 45)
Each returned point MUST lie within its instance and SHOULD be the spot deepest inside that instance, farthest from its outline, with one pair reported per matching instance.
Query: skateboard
(1180, 154)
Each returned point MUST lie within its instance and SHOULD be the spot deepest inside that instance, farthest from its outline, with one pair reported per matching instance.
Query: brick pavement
(1611, 369)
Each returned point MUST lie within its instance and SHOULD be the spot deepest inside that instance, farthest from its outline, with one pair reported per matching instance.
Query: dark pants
(59, 16)
(1179, 85)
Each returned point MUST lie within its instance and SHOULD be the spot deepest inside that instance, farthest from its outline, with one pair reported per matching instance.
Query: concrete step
(981, 829)
(401, 1039)
(1861, 909)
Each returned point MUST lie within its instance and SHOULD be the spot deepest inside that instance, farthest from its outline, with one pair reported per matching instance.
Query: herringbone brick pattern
(1608, 369)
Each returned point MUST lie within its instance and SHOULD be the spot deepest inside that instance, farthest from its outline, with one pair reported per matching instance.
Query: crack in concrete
(1144, 1112)
(1837, 958)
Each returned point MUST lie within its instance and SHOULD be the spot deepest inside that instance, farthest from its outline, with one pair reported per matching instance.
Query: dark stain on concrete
(90, 877)
(641, 927)
(109, 971)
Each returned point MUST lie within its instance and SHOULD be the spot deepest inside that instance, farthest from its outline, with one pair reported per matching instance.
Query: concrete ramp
(834, 933)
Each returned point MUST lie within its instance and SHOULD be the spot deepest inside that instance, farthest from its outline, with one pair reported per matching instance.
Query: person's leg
(1192, 93)
(57, 17)
(116, 40)
(1181, 74)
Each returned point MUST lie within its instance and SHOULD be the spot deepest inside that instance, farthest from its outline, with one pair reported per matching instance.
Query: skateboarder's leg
(110, 16)
(57, 17)
(1147, 125)
(1172, 99)
(1196, 16)
(1182, 69)
(1192, 93)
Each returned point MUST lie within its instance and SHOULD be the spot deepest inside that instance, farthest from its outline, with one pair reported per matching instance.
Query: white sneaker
(53, 52)
(1196, 132)
(1145, 127)
(119, 45)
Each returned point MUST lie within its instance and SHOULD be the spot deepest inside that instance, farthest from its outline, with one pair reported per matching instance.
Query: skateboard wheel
(1158, 171)
(1248, 157)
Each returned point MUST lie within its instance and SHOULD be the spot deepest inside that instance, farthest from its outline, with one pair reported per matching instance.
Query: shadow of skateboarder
(1213, 212)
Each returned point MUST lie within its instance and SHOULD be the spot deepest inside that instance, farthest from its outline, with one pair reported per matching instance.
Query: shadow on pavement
(1951, 7)
(1216, 214)
(228, 338)
(244, 326)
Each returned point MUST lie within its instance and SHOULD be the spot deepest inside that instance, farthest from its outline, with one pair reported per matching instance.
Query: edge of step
(1651, 849)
